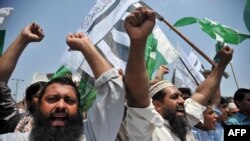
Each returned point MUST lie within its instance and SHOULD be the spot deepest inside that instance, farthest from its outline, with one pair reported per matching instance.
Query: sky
(60, 17)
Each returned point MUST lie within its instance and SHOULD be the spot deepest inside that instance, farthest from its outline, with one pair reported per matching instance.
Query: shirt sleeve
(194, 112)
(141, 123)
(9, 115)
(17, 136)
(105, 115)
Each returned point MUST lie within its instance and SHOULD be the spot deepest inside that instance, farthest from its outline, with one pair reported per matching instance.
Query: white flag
(185, 74)
(105, 27)
(4, 12)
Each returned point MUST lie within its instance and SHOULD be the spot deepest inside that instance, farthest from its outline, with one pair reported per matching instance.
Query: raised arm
(163, 69)
(138, 25)
(211, 84)
(31, 33)
(81, 42)
(105, 115)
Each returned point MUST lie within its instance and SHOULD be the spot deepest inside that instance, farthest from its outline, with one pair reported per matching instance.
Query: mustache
(180, 107)
(58, 112)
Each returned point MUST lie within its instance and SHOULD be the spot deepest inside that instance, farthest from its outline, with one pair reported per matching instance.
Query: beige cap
(159, 86)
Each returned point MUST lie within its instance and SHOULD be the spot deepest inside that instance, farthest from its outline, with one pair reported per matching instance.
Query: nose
(180, 100)
(61, 105)
(216, 116)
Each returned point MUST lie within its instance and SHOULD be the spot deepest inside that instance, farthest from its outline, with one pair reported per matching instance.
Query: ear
(237, 103)
(158, 106)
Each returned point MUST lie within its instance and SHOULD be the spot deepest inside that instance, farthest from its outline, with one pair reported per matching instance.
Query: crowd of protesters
(128, 105)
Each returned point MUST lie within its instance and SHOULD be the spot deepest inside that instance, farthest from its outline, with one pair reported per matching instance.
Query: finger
(131, 19)
(140, 17)
(81, 35)
(150, 14)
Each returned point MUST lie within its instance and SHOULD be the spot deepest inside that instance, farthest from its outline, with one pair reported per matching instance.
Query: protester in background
(10, 118)
(206, 131)
(232, 108)
(219, 105)
(241, 99)
(185, 92)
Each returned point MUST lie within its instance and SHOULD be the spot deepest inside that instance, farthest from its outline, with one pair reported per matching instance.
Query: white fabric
(145, 124)
(165, 134)
(141, 122)
(4, 12)
(104, 117)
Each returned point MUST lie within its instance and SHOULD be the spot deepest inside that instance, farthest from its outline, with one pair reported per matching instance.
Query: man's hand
(78, 41)
(140, 23)
(32, 33)
(225, 55)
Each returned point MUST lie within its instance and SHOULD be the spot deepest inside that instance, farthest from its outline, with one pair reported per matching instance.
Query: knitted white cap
(159, 86)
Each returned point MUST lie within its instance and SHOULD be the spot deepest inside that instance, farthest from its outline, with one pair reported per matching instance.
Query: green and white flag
(159, 51)
(215, 30)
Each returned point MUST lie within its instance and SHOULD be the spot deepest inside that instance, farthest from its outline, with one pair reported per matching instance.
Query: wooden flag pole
(189, 42)
(161, 18)
(184, 38)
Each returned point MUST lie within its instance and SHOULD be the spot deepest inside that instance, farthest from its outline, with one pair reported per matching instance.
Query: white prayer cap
(37, 77)
(232, 105)
(159, 86)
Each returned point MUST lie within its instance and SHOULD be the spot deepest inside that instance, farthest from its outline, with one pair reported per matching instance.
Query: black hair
(239, 95)
(34, 89)
(185, 90)
(223, 100)
(61, 80)
(159, 96)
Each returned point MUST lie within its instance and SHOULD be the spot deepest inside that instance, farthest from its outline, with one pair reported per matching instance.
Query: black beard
(178, 125)
(43, 131)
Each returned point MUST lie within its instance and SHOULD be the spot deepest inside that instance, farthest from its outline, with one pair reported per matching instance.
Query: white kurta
(145, 124)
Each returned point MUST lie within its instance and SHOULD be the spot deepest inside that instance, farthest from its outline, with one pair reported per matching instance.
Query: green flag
(159, 51)
(215, 30)
(218, 46)
(87, 91)
(246, 15)
(2, 36)
(62, 71)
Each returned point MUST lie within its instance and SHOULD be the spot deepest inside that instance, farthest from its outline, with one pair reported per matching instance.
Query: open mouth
(180, 109)
(59, 119)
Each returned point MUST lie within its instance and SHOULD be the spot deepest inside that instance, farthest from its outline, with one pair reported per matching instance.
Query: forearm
(136, 77)
(216, 98)
(159, 75)
(208, 88)
(9, 59)
(97, 62)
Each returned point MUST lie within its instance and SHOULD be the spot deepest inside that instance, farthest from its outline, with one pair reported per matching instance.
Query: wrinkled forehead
(171, 90)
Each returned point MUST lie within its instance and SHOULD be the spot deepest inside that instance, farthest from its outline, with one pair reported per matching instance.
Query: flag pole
(236, 82)
(189, 42)
(161, 18)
